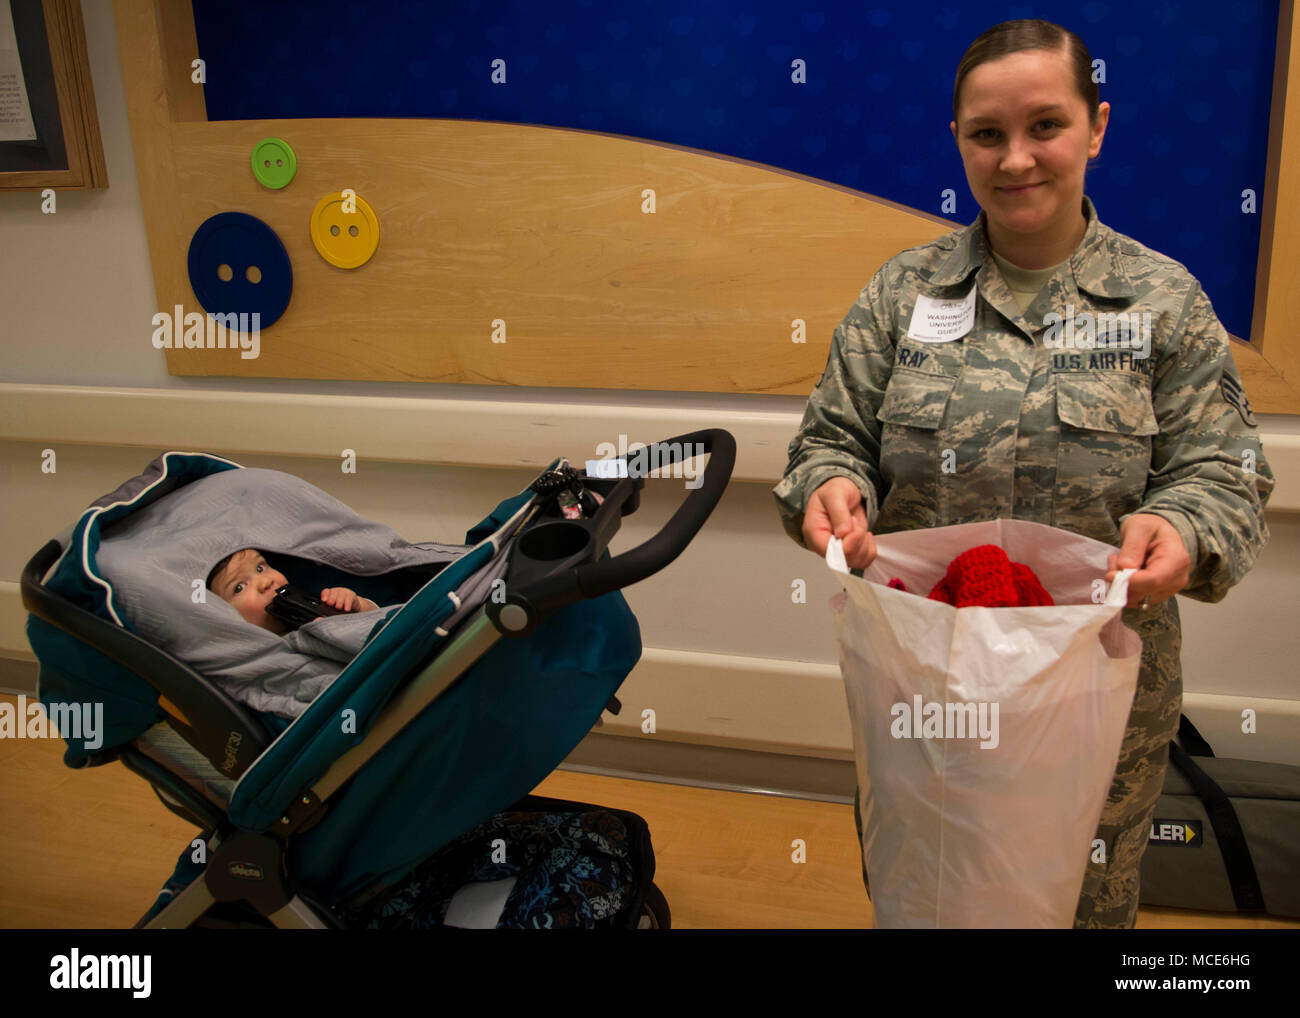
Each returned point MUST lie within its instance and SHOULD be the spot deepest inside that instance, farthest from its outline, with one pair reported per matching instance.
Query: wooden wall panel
(1271, 369)
(543, 229)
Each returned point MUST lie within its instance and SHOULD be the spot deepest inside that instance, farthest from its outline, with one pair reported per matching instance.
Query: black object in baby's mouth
(296, 608)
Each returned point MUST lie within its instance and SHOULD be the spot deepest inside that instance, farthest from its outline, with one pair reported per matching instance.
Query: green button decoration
(274, 163)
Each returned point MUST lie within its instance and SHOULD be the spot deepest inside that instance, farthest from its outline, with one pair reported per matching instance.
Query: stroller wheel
(655, 914)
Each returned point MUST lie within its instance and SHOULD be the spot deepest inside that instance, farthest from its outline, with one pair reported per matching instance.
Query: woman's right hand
(836, 509)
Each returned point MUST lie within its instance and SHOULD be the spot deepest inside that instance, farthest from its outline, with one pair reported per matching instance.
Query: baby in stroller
(249, 583)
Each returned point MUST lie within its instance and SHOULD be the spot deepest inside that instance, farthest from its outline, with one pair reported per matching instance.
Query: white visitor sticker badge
(942, 321)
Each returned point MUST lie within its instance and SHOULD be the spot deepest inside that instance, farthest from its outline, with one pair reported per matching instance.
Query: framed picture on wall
(49, 131)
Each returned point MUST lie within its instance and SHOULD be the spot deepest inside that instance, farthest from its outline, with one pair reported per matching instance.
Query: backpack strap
(1192, 741)
(1246, 892)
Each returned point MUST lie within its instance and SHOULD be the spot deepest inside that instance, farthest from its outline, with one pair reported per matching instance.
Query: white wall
(730, 659)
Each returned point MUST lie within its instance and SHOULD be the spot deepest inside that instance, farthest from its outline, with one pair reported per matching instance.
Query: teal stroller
(335, 773)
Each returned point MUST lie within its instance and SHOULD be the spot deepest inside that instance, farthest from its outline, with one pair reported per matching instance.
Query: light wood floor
(91, 848)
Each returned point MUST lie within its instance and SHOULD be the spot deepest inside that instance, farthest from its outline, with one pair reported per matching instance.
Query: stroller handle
(547, 577)
(648, 558)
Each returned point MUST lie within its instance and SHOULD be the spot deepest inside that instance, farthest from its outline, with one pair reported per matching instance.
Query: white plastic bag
(986, 738)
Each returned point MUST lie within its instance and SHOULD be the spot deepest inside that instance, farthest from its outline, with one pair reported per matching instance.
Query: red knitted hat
(985, 577)
(1029, 592)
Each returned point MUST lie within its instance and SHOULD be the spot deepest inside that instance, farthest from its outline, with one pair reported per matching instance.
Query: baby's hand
(343, 599)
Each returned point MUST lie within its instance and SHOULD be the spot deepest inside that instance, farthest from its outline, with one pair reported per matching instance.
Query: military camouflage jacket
(1113, 393)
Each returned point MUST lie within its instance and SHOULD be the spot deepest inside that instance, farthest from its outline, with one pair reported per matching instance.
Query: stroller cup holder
(551, 542)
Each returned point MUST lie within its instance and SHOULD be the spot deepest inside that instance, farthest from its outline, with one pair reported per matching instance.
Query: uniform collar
(1096, 265)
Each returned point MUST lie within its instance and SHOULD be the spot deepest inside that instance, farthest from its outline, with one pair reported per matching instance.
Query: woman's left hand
(1154, 548)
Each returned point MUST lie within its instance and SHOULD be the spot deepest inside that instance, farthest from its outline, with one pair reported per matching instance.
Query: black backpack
(1226, 833)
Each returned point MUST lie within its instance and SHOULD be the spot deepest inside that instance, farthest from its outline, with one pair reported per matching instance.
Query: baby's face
(249, 583)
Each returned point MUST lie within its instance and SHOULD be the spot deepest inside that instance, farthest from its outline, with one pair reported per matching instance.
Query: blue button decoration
(247, 247)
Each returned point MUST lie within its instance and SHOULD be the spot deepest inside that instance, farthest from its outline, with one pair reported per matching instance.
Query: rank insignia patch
(1236, 398)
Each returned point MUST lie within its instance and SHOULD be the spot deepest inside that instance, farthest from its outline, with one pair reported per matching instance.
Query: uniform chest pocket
(915, 400)
(1116, 403)
(1104, 451)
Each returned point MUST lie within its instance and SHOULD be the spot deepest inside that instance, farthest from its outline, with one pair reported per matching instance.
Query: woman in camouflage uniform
(946, 403)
